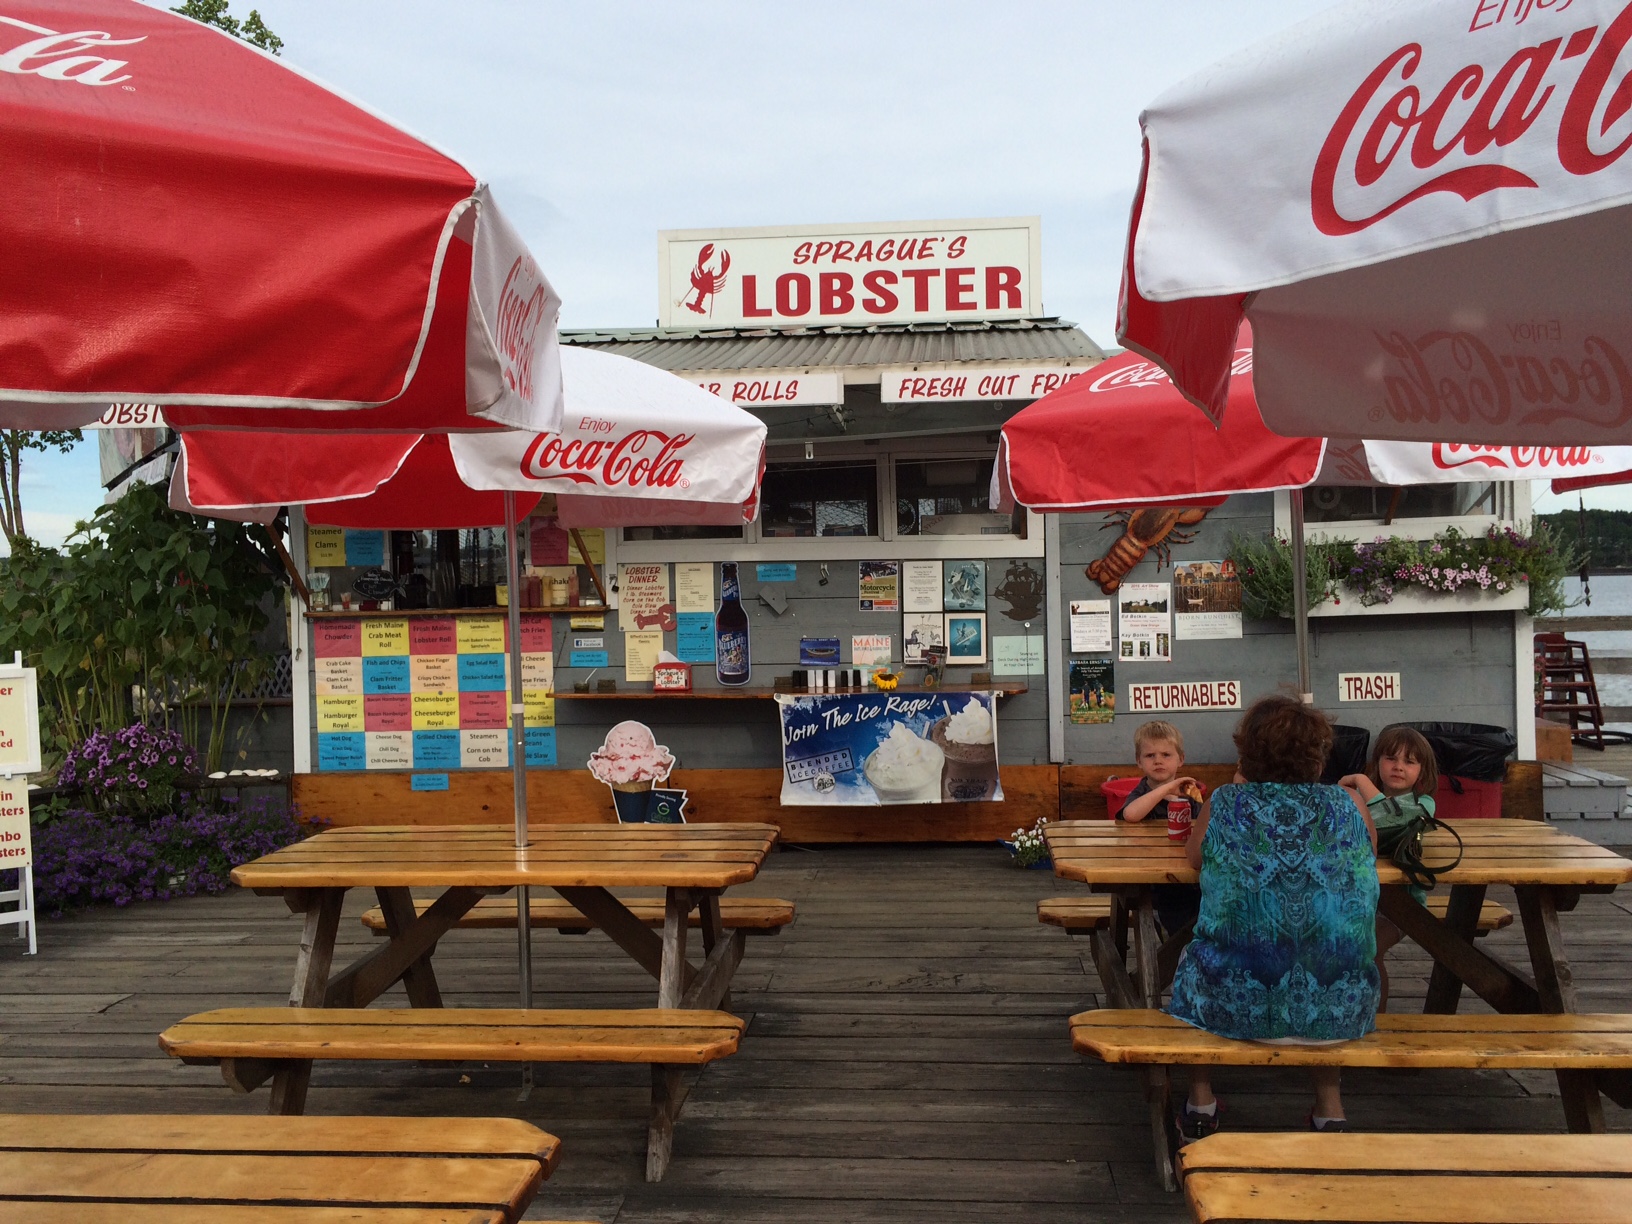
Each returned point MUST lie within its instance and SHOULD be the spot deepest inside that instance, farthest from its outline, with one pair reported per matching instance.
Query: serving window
(916, 497)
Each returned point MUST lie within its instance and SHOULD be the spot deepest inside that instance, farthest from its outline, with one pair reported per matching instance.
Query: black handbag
(1399, 839)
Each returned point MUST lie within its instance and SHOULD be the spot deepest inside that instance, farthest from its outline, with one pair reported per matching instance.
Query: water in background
(1611, 596)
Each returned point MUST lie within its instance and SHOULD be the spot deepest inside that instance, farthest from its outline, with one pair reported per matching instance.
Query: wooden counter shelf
(561, 610)
(1003, 688)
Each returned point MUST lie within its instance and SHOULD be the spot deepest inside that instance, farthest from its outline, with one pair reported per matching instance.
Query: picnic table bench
(1093, 912)
(168, 1169)
(753, 915)
(1425, 1179)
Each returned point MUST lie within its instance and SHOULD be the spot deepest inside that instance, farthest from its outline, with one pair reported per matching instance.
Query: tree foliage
(1606, 538)
(251, 29)
(13, 442)
(146, 615)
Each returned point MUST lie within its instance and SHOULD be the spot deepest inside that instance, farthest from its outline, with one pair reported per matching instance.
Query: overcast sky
(600, 124)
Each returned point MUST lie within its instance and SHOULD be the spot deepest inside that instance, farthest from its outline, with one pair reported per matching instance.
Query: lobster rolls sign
(871, 749)
(642, 442)
(896, 272)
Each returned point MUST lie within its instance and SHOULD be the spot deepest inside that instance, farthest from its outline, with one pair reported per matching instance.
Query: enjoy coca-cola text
(643, 458)
(1392, 116)
(1457, 377)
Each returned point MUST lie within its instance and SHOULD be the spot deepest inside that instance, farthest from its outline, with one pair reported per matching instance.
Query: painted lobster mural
(706, 281)
(1152, 528)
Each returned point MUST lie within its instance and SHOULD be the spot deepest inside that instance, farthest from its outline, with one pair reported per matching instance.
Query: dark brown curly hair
(1282, 740)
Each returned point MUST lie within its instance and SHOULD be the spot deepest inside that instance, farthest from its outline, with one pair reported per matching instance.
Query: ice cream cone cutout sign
(631, 762)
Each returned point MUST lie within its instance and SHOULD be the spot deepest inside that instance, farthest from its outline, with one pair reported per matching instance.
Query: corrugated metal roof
(807, 348)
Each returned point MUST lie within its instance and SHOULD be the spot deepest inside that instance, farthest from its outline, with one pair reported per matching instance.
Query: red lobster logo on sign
(706, 282)
(522, 305)
(644, 458)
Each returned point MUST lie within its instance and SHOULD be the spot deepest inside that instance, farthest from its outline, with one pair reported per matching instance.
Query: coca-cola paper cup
(1178, 820)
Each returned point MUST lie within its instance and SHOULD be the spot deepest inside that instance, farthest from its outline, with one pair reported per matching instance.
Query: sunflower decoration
(885, 681)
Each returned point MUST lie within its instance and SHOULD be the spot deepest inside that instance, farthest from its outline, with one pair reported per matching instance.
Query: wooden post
(1555, 983)
(322, 910)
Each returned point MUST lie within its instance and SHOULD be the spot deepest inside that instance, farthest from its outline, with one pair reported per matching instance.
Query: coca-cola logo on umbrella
(1149, 374)
(640, 459)
(1456, 377)
(1451, 455)
(64, 57)
(523, 303)
(1559, 104)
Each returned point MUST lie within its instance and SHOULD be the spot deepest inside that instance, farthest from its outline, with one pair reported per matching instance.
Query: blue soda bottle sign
(732, 663)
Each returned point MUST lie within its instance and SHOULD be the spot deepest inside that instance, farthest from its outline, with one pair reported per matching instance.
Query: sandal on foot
(1193, 1125)
(1332, 1126)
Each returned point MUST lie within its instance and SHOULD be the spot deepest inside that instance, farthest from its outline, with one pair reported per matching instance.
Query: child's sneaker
(1195, 1125)
(1328, 1126)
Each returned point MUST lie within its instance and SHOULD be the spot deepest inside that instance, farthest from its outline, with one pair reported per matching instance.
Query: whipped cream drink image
(905, 768)
(968, 740)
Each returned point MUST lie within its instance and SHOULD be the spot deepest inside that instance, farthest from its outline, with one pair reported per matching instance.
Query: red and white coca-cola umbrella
(186, 220)
(639, 445)
(1052, 454)
(1422, 208)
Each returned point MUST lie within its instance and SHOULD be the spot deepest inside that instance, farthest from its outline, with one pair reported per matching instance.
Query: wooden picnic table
(203, 1169)
(693, 863)
(1547, 869)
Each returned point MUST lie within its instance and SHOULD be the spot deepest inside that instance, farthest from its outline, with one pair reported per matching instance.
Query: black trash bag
(1350, 746)
(1468, 750)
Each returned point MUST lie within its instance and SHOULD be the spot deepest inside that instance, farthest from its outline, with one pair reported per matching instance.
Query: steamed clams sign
(870, 749)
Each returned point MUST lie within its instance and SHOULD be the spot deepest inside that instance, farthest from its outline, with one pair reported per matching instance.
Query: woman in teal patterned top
(1285, 946)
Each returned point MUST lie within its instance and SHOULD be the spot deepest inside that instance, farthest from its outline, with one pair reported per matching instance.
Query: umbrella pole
(1300, 600)
(518, 765)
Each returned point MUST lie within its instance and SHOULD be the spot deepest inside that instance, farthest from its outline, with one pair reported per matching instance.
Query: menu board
(429, 692)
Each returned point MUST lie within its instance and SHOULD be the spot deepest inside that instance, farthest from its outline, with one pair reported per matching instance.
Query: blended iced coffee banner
(867, 749)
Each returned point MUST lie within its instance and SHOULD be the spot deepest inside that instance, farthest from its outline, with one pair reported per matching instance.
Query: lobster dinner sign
(892, 272)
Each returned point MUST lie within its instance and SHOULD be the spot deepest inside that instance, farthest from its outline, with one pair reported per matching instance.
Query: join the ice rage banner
(867, 749)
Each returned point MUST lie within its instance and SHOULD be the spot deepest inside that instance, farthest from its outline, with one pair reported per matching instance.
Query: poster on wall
(879, 586)
(870, 650)
(921, 631)
(1206, 601)
(694, 588)
(873, 749)
(965, 638)
(964, 586)
(429, 693)
(1019, 655)
(1090, 624)
(1144, 622)
(1093, 690)
(920, 586)
(643, 598)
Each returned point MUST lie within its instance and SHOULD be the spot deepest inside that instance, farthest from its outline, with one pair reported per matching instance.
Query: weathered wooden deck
(906, 1059)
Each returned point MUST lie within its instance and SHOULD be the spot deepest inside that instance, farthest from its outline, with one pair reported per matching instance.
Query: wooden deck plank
(906, 1058)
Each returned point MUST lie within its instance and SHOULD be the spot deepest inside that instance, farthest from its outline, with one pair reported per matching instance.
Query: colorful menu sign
(429, 692)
